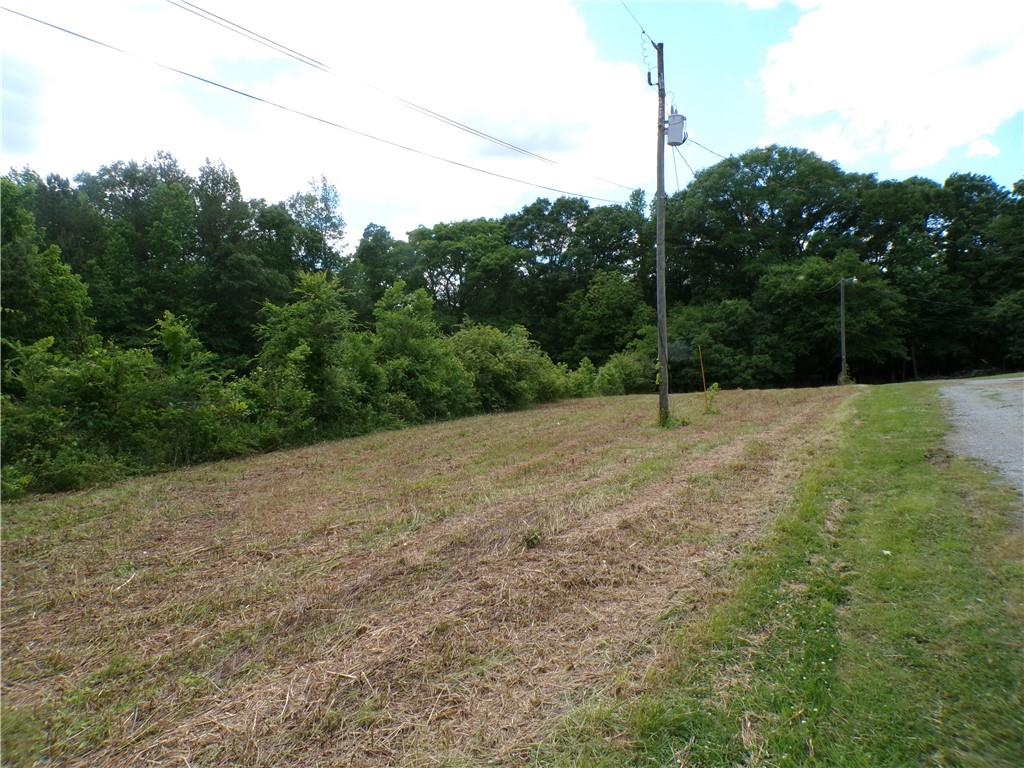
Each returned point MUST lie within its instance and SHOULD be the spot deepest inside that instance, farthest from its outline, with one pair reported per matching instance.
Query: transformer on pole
(675, 129)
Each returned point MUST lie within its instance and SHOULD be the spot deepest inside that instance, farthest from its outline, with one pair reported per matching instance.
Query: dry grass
(440, 593)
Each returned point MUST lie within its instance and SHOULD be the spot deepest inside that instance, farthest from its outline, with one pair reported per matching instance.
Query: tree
(508, 369)
(425, 381)
(381, 261)
(40, 295)
(736, 342)
(556, 262)
(310, 334)
(471, 271)
(747, 214)
(903, 226)
(321, 227)
(604, 318)
(802, 301)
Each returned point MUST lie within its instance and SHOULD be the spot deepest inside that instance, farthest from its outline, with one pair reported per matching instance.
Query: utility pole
(663, 413)
(844, 372)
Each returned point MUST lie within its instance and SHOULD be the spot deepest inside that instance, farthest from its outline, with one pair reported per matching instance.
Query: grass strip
(880, 625)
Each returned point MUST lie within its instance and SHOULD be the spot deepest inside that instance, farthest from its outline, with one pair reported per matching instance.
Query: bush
(581, 382)
(1007, 319)
(110, 412)
(418, 364)
(628, 372)
(278, 402)
(508, 369)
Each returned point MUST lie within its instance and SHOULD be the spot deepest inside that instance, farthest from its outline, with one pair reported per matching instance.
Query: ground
(462, 593)
(988, 423)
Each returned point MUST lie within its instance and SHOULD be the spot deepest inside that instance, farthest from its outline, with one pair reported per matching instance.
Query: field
(565, 585)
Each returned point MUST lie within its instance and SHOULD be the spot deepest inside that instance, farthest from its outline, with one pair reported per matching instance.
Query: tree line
(153, 318)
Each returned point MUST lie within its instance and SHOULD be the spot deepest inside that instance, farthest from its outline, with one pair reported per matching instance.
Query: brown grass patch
(402, 598)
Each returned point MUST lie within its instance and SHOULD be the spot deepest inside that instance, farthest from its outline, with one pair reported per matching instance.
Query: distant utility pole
(663, 413)
(844, 371)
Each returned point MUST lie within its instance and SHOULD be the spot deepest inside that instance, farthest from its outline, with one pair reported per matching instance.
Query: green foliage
(709, 398)
(424, 379)
(605, 317)
(737, 344)
(1007, 317)
(509, 370)
(469, 269)
(278, 402)
(321, 227)
(626, 372)
(289, 340)
(378, 263)
(108, 412)
(40, 295)
(312, 337)
(580, 382)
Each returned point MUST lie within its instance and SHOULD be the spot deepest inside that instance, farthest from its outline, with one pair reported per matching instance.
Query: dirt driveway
(988, 423)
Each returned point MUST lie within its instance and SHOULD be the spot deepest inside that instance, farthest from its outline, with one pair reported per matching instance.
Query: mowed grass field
(569, 585)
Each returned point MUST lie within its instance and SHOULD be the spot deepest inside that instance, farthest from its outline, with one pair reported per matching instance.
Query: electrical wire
(642, 30)
(308, 115)
(830, 288)
(202, 13)
(675, 171)
(309, 61)
(905, 296)
(716, 154)
(941, 303)
(680, 153)
(647, 62)
(273, 45)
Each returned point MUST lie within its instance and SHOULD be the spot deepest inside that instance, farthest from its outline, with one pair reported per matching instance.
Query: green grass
(881, 624)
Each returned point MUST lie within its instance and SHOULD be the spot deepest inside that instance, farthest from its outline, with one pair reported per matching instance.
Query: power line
(675, 170)
(202, 12)
(310, 116)
(273, 45)
(680, 153)
(716, 154)
(309, 61)
(906, 296)
(941, 303)
(642, 30)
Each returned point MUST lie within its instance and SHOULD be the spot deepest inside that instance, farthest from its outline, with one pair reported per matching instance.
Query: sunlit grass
(880, 626)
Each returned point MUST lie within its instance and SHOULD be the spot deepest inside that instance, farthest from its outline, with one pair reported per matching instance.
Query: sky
(899, 88)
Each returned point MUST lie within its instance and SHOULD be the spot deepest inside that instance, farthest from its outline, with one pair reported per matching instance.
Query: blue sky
(914, 87)
(715, 52)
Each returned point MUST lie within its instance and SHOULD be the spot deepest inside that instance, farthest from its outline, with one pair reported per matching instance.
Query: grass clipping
(880, 625)
(445, 593)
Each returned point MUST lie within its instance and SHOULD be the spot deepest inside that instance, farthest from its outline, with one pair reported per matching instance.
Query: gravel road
(988, 423)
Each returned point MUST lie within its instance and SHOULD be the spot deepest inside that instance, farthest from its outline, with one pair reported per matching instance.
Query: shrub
(278, 402)
(109, 412)
(509, 370)
(581, 382)
(417, 362)
(627, 372)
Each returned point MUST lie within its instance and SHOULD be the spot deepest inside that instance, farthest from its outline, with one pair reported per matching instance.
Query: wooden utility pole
(663, 413)
(844, 375)
(703, 380)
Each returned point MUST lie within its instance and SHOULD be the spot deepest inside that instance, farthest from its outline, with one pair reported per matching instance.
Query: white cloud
(492, 66)
(982, 148)
(771, 5)
(910, 80)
